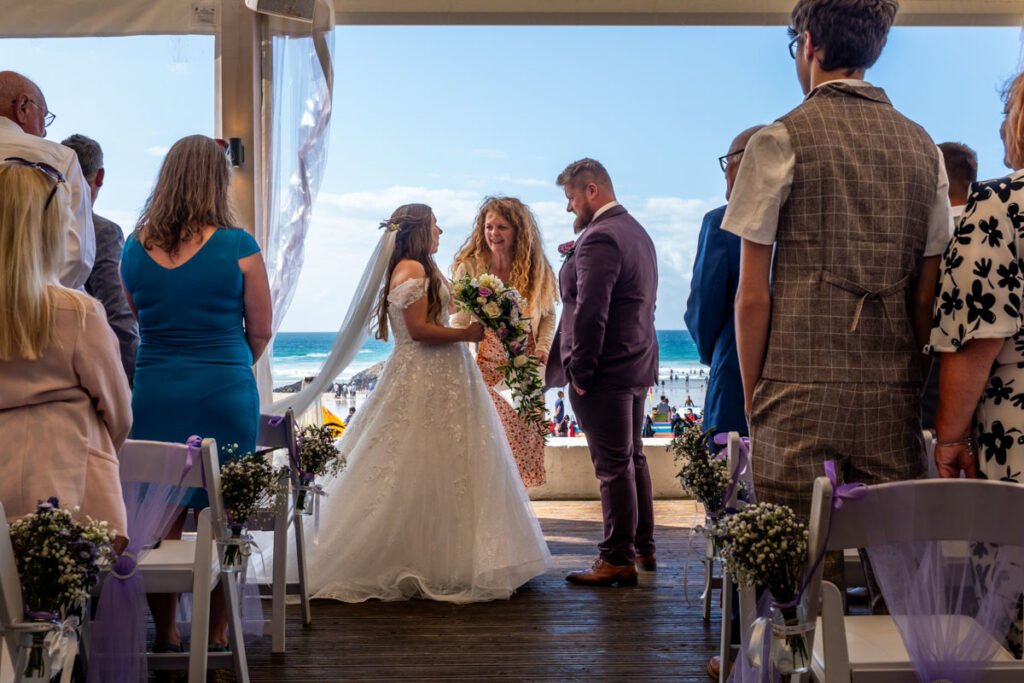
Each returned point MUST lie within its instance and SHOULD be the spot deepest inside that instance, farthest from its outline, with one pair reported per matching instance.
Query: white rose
(480, 300)
(520, 360)
(492, 310)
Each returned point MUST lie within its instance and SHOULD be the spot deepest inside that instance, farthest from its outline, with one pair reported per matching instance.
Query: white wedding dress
(430, 504)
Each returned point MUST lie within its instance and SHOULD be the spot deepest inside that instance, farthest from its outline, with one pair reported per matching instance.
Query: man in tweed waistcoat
(851, 197)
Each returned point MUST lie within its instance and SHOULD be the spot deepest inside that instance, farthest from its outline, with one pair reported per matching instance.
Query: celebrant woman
(506, 243)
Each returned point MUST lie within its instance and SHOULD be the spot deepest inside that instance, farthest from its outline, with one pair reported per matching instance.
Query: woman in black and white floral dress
(978, 326)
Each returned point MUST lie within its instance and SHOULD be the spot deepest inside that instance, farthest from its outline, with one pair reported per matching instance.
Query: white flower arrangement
(703, 474)
(499, 308)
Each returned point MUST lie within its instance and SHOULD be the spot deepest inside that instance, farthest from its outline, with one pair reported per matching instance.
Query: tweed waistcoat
(850, 240)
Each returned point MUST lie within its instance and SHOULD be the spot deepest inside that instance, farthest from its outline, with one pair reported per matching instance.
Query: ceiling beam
(55, 18)
(652, 12)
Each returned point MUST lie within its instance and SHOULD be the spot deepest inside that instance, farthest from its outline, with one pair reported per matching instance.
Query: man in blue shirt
(560, 408)
(709, 310)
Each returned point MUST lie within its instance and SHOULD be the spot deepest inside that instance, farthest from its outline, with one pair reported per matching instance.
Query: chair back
(160, 462)
(909, 511)
(278, 431)
(11, 607)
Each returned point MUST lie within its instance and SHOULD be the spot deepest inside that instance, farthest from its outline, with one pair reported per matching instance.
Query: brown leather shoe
(647, 563)
(604, 574)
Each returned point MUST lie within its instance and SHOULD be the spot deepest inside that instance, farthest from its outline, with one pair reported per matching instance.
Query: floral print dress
(526, 442)
(980, 298)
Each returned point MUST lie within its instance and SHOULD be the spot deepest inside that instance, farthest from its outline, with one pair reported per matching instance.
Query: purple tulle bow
(742, 463)
(842, 492)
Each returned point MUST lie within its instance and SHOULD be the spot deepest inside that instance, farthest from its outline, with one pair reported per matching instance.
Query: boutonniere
(567, 249)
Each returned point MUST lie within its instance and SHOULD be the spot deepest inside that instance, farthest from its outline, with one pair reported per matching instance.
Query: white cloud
(528, 182)
(345, 230)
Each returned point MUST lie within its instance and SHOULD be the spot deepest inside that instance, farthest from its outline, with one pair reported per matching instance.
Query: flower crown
(390, 227)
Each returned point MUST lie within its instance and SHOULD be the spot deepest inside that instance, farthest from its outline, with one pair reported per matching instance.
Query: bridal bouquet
(500, 308)
(704, 475)
(318, 457)
(248, 483)
(766, 545)
(59, 562)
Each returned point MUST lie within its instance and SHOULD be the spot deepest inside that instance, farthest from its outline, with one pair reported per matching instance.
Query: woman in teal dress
(199, 290)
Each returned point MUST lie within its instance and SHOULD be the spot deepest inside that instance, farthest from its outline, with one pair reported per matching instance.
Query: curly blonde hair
(1013, 127)
(532, 275)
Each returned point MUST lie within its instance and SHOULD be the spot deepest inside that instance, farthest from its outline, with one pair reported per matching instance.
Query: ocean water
(300, 354)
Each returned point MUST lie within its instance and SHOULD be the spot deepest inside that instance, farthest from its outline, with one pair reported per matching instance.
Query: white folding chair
(14, 629)
(279, 432)
(869, 649)
(191, 564)
(725, 645)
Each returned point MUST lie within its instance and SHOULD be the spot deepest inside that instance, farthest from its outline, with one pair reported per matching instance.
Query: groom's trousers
(612, 419)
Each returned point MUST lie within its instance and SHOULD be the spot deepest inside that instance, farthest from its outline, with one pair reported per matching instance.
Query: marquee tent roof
(38, 18)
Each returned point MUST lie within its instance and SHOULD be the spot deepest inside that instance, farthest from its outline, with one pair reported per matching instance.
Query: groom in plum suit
(606, 349)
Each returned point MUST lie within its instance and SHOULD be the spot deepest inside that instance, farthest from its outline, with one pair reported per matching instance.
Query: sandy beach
(677, 390)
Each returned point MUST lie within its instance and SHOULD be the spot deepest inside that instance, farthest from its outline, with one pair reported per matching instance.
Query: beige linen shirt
(63, 418)
(81, 240)
(766, 176)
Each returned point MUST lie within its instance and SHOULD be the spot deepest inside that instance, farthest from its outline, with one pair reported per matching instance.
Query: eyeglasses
(48, 116)
(55, 175)
(724, 160)
(794, 45)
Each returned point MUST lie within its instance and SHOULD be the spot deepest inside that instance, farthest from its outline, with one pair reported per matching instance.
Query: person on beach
(850, 197)
(606, 349)
(506, 243)
(435, 509)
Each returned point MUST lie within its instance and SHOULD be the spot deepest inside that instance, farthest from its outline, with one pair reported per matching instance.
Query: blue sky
(447, 115)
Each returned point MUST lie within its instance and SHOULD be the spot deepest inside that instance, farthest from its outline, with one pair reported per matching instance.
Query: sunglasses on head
(47, 169)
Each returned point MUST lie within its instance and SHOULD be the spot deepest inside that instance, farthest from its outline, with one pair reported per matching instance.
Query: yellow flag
(332, 422)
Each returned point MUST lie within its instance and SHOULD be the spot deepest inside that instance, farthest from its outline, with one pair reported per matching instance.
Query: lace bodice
(405, 295)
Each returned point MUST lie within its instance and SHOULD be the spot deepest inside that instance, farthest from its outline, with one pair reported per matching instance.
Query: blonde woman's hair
(414, 242)
(191, 192)
(32, 250)
(532, 275)
(1013, 130)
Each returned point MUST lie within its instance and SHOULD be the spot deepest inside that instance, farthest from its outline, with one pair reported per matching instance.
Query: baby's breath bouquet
(766, 545)
(500, 308)
(59, 562)
(318, 457)
(703, 474)
(248, 483)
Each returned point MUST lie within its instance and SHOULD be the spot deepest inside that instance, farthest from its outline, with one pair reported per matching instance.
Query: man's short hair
(961, 164)
(90, 154)
(584, 172)
(851, 32)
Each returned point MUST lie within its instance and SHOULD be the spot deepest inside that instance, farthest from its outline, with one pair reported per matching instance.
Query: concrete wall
(570, 473)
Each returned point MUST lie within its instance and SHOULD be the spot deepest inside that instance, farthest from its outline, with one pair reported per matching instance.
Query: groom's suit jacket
(609, 285)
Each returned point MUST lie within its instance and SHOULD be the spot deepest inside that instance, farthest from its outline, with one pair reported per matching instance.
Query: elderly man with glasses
(709, 309)
(24, 118)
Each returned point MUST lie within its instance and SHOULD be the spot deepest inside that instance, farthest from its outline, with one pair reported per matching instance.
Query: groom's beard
(582, 221)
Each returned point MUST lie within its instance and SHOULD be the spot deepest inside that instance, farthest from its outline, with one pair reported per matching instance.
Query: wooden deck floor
(549, 631)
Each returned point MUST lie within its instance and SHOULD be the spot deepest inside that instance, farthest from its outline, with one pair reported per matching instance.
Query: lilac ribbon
(840, 494)
(742, 463)
(195, 441)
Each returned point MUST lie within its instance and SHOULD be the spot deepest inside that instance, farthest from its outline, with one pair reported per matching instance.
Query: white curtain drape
(296, 115)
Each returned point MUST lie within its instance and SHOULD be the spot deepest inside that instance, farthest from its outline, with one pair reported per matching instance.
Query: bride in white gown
(431, 504)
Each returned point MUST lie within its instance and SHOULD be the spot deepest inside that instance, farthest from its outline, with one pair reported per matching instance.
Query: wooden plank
(549, 631)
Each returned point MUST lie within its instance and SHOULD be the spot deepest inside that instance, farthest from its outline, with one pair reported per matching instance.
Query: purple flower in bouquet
(484, 291)
(515, 347)
(502, 332)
